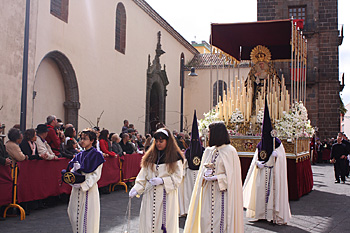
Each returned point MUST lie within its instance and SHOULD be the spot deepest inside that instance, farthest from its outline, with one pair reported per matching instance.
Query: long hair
(104, 135)
(218, 134)
(172, 152)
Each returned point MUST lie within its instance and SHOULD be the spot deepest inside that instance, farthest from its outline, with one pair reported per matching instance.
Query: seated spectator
(71, 133)
(104, 143)
(28, 145)
(116, 148)
(71, 148)
(139, 145)
(4, 156)
(44, 148)
(126, 145)
(125, 126)
(12, 145)
(54, 137)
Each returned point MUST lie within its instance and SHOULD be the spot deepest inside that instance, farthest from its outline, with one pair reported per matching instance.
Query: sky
(192, 19)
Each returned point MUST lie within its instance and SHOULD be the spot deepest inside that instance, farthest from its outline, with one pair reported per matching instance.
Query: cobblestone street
(325, 209)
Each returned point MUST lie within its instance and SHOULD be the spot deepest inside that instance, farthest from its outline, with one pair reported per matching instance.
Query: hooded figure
(191, 166)
(265, 190)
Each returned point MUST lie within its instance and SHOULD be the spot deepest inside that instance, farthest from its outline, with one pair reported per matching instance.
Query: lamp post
(182, 84)
(25, 70)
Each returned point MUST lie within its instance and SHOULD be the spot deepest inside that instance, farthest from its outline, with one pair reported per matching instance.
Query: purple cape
(89, 160)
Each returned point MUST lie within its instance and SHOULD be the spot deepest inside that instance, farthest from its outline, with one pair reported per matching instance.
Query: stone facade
(321, 31)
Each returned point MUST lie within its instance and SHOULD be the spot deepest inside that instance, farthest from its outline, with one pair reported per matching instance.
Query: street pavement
(325, 209)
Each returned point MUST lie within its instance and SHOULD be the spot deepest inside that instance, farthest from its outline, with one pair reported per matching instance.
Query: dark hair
(104, 134)
(91, 135)
(131, 125)
(69, 132)
(14, 134)
(218, 134)
(29, 134)
(110, 136)
(160, 125)
(125, 121)
(70, 144)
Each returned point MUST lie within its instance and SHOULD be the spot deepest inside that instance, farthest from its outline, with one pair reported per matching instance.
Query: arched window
(222, 86)
(120, 28)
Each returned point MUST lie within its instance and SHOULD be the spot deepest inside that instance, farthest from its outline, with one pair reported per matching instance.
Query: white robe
(256, 185)
(152, 201)
(200, 212)
(84, 204)
(186, 188)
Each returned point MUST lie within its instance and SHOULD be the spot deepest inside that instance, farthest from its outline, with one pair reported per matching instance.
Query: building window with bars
(59, 8)
(120, 28)
(222, 88)
(297, 12)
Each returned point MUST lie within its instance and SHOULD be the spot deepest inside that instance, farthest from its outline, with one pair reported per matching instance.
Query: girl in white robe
(217, 203)
(84, 203)
(158, 181)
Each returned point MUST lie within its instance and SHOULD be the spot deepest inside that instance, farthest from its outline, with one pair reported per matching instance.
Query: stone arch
(71, 103)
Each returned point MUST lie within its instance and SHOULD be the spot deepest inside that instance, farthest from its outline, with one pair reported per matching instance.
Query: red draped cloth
(110, 171)
(131, 167)
(39, 179)
(6, 185)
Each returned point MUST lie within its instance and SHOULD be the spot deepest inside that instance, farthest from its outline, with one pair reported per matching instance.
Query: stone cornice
(156, 17)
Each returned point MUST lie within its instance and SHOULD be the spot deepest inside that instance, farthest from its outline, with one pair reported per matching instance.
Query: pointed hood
(265, 146)
(195, 149)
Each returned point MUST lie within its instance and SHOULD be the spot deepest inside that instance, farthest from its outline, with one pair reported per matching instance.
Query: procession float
(241, 106)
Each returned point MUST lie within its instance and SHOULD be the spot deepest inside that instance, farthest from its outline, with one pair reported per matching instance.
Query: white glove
(75, 185)
(260, 164)
(208, 172)
(132, 193)
(76, 167)
(156, 181)
(274, 154)
(210, 178)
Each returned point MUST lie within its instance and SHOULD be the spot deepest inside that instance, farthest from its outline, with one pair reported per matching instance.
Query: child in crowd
(84, 203)
(158, 180)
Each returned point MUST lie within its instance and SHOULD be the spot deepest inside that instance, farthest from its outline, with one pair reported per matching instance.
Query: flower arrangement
(260, 116)
(295, 124)
(237, 117)
(209, 118)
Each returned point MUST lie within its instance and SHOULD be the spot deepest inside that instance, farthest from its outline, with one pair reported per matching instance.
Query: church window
(59, 8)
(222, 87)
(297, 12)
(120, 28)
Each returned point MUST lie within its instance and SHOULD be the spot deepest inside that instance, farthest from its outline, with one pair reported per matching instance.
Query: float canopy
(275, 35)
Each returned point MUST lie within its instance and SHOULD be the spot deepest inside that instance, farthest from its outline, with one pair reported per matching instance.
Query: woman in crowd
(104, 143)
(71, 133)
(28, 145)
(116, 148)
(217, 203)
(158, 181)
(71, 148)
(84, 203)
(12, 145)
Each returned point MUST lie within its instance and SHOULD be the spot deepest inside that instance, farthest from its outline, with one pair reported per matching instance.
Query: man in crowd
(346, 142)
(125, 126)
(52, 138)
(126, 145)
(338, 158)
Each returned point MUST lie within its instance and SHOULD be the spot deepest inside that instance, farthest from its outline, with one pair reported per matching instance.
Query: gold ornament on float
(260, 53)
